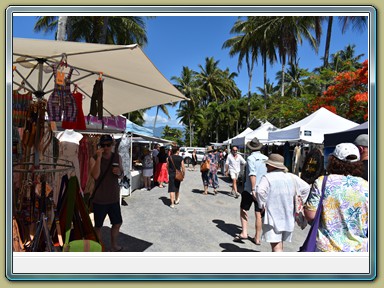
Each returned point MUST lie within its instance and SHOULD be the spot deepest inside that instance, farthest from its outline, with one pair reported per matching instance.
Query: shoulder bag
(310, 242)
(179, 174)
(299, 208)
(205, 166)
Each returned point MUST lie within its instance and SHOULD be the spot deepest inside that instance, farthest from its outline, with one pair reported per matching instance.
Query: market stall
(46, 75)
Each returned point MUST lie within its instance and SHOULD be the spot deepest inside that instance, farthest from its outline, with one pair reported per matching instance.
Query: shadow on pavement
(165, 200)
(130, 244)
(228, 247)
(230, 229)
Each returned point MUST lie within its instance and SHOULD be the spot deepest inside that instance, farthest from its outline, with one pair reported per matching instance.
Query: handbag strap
(102, 177)
(316, 220)
(173, 163)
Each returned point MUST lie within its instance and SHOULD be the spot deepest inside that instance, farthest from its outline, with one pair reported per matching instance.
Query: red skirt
(161, 174)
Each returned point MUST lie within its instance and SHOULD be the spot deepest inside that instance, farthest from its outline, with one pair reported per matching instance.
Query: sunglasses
(106, 145)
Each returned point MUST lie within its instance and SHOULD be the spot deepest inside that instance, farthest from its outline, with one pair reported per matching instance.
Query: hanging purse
(179, 175)
(299, 208)
(205, 166)
(309, 244)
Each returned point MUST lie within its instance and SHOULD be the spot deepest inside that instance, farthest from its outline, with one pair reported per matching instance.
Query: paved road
(200, 223)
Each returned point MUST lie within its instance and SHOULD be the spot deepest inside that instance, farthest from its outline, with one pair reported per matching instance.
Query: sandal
(239, 238)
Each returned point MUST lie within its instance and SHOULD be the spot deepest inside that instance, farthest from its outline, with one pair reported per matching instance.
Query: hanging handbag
(299, 208)
(310, 242)
(205, 166)
(179, 174)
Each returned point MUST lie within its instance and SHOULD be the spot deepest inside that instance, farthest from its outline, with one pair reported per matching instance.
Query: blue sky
(177, 41)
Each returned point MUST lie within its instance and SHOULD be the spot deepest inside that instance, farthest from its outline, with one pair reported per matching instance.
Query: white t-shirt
(69, 135)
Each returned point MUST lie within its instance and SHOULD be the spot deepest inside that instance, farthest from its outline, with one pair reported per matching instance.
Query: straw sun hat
(277, 161)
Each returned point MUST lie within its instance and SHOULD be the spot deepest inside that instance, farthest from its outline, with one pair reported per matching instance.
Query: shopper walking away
(275, 193)
(193, 160)
(161, 175)
(343, 225)
(255, 169)
(147, 169)
(210, 177)
(175, 161)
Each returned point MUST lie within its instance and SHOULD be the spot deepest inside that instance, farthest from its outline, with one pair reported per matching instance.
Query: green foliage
(173, 134)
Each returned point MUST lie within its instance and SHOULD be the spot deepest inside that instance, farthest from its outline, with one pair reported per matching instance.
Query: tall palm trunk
(282, 78)
(250, 74)
(328, 41)
(265, 79)
(103, 34)
(154, 122)
(61, 28)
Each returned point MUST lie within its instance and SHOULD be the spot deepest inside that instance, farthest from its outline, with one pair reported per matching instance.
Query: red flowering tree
(348, 96)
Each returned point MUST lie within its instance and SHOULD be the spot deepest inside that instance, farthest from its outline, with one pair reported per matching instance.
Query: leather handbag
(309, 244)
(179, 175)
(205, 166)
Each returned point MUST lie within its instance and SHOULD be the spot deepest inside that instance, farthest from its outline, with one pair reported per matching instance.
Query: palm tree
(294, 78)
(217, 84)
(164, 109)
(245, 46)
(120, 30)
(357, 23)
(287, 33)
(187, 85)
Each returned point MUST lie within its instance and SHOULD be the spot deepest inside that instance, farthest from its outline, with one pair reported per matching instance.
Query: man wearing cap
(255, 169)
(275, 193)
(361, 142)
(106, 169)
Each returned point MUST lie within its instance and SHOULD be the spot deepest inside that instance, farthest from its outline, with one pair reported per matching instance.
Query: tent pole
(39, 94)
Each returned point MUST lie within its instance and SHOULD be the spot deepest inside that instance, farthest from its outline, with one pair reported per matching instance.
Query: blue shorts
(247, 200)
(100, 211)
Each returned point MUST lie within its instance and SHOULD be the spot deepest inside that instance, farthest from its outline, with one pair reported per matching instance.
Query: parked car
(187, 155)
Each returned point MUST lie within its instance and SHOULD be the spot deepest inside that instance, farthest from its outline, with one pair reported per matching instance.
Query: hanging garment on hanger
(61, 102)
(20, 105)
(97, 101)
(79, 124)
(84, 162)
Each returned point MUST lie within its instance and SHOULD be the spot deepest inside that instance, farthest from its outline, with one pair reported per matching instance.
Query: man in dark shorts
(255, 169)
(106, 168)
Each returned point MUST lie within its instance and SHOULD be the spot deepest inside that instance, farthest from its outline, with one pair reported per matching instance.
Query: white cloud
(161, 121)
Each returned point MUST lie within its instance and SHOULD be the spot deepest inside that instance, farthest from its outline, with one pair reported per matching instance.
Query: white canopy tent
(261, 133)
(131, 81)
(312, 128)
(245, 132)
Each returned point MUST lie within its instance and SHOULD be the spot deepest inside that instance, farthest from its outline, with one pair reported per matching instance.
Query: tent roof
(261, 133)
(313, 127)
(131, 81)
(345, 136)
(137, 129)
(245, 132)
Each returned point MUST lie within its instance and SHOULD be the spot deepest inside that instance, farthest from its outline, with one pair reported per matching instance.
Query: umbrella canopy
(313, 127)
(130, 80)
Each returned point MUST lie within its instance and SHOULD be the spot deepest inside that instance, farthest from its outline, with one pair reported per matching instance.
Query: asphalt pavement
(199, 223)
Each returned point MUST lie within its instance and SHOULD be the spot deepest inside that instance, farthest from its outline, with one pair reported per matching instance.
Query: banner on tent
(111, 122)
